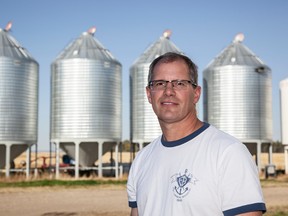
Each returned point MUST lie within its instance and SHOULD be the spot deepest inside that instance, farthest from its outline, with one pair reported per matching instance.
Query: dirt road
(87, 201)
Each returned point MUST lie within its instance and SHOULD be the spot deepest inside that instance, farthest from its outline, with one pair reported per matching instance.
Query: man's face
(171, 105)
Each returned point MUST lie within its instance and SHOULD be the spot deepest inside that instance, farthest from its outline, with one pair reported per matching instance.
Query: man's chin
(167, 119)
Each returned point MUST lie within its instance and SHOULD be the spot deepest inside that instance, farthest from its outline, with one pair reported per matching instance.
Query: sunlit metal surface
(284, 110)
(144, 123)
(18, 96)
(237, 94)
(86, 95)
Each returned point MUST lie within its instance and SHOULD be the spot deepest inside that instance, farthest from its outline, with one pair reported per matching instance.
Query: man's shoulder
(218, 134)
(148, 148)
(220, 140)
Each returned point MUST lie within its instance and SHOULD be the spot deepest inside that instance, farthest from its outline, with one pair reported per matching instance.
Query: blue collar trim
(185, 139)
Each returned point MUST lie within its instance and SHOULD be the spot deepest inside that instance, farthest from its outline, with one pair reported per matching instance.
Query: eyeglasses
(159, 85)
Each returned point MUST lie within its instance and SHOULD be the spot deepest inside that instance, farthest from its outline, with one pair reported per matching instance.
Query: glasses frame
(173, 82)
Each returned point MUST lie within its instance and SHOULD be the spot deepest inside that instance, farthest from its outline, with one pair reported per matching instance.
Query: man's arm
(256, 213)
(134, 212)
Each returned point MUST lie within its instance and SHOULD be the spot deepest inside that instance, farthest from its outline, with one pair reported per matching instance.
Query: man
(193, 168)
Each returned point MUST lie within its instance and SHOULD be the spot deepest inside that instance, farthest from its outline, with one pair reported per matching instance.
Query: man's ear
(197, 94)
(148, 93)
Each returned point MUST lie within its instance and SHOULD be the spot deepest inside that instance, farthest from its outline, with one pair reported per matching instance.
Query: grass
(23, 183)
(280, 181)
(66, 183)
(277, 211)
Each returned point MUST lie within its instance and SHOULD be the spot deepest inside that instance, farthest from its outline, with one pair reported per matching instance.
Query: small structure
(19, 74)
(86, 102)
(237, 96)
(144, 126)
(284, 118)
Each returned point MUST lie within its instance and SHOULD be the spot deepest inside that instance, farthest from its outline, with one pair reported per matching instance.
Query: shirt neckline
(184, 139)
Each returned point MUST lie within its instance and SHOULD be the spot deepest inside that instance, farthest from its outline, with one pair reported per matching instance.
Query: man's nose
(169, 90)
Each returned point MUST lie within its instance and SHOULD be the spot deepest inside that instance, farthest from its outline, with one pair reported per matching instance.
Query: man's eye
(159, 84)
(179, 83)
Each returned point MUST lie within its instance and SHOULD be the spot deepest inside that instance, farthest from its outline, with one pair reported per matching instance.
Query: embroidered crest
(181, 184)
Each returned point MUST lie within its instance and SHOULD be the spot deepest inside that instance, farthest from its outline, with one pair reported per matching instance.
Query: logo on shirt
(181, 184)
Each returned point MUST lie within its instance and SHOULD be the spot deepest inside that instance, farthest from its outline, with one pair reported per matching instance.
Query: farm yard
(43, 160)
(109, 199)
(104, 200)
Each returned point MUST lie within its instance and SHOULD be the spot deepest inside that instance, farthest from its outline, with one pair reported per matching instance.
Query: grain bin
(144, 125)
(284, 118)
(237, 94)
(86, 95)
(19, 74)
(284, 110)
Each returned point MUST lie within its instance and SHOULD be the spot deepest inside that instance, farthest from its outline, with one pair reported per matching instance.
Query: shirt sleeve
(131, 189)
(239, 183)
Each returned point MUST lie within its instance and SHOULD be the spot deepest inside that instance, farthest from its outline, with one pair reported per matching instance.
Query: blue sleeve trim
(245, 209)
(133, 204)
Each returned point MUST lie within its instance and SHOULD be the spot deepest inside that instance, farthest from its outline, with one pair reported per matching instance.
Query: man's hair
(171, 57)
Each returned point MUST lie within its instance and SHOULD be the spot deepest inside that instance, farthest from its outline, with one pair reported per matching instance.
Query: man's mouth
(168, 103)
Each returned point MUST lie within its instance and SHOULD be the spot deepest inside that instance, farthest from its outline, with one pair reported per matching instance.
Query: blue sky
(201, 29)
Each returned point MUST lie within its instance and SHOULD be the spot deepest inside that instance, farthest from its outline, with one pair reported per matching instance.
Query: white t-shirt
(206, 173)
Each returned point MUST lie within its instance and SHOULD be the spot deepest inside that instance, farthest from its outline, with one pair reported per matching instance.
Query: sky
(201, 29)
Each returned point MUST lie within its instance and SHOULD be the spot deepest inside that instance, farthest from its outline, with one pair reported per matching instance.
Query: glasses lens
(162, 84)
(158, 84)
(179, 84)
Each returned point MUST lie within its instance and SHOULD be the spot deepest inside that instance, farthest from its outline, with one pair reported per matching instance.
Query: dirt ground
(61, 201)
(89, 201)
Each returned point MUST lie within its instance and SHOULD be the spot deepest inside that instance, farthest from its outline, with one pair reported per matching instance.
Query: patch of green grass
(277, 211)
(275, 182)
(67, 183)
